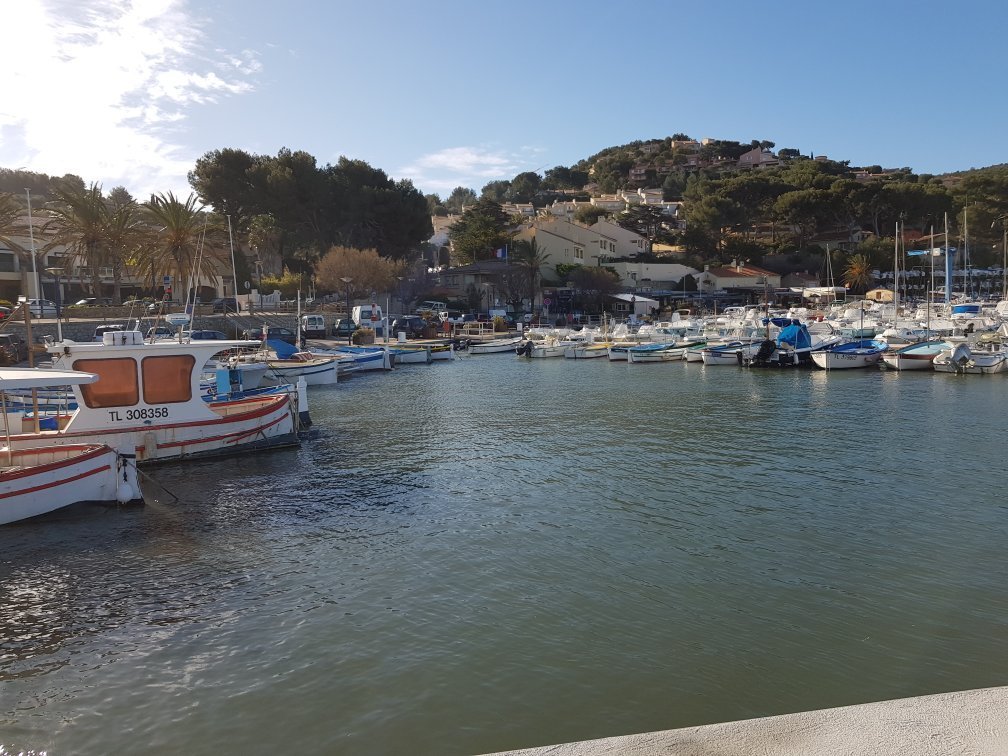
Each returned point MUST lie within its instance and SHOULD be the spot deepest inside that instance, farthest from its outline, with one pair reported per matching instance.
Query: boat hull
(497, 346)
(243, 425)
(43, 480)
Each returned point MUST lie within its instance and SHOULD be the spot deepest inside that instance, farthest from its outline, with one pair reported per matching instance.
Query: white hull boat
(658, 353)
(37, 481)
(915, 356)
(587, 351)
(851, 355)
(964, 359)
(496, 346)
(419, 355)
(147, 398)
(316, 371)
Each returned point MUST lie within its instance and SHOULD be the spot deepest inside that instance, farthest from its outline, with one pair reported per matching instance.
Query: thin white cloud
(471, 167)
(101, 89)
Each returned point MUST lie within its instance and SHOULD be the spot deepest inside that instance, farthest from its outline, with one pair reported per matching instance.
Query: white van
(368, 316)
(313, 326)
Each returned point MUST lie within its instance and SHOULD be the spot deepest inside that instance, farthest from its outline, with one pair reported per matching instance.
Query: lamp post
(56, 272)
(346, 282)
(1004, 263)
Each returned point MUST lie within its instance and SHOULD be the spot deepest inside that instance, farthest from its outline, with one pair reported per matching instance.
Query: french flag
(502, 253)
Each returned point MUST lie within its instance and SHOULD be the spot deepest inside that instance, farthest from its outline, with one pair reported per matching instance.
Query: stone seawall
(973, 722)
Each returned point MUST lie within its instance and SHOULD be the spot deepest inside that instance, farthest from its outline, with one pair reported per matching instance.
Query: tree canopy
(309, 208)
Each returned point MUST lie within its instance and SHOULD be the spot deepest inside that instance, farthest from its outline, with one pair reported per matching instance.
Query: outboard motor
(525, 348)
(765, 350)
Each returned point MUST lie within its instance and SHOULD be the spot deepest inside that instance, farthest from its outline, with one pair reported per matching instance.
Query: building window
(578, 253)
(7, 263)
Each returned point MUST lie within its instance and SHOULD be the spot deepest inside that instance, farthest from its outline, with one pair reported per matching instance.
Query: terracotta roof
(745, 271)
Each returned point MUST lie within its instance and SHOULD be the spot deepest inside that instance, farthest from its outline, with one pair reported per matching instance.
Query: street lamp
(347, 281)
(1004, 263)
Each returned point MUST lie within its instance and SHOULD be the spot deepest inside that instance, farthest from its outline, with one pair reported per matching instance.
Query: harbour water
(498, 553)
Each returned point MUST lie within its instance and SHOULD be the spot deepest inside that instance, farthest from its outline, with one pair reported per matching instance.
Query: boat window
(116, 385)
(167, 379)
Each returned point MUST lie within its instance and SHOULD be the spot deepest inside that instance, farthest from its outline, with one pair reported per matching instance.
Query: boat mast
(896, 272)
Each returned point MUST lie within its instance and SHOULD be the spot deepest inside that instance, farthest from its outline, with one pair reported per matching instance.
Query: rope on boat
(151, 480)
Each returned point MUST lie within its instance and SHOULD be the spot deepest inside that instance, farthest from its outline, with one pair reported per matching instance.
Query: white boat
(848, 355)
(983, 357)
(731, 353)
(41, 479)
(589, 351)
(655, 353)
(147, 398)
(363, 358)
(495, 346)
(918, 356)
(442, 352)
(548, 347)
(315, 370)
(410, 355)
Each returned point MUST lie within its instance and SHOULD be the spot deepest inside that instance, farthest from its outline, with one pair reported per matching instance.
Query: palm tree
(858, 273)
(11, 224)
(175, 247)
(78, 221)
(125, 239)
(530, 256)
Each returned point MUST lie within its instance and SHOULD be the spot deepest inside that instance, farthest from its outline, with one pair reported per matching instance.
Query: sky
(463, 92)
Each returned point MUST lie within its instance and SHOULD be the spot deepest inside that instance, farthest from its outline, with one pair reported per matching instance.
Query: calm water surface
(499, 553)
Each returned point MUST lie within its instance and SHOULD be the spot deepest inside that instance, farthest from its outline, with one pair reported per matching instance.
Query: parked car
(411, 325)
(343, 328)
(4, 312)
(92, 301)
(12, 348)
(275, 333)
(160, 332)
(206, 335)
(42, 308)
(225, 304)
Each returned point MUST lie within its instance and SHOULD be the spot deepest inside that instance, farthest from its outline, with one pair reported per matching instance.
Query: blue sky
(454, 93)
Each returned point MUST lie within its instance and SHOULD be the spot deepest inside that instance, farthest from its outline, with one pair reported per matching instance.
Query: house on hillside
(564, 243)
(738, 278)
(622, 242)
(757, 157)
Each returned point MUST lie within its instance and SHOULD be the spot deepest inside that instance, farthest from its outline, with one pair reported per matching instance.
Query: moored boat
(147, 398)
(36, 480)
(848, 355)
(983, 357)
(495, 346)
(919, 356)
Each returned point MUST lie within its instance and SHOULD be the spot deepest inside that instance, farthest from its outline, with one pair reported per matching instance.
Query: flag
(502, 253)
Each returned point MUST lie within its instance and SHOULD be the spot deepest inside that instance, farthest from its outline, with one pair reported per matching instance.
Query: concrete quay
(973, 722)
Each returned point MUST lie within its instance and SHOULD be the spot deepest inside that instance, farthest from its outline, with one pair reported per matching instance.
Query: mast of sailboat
(896, 272)
(949, 267)
(234, 273)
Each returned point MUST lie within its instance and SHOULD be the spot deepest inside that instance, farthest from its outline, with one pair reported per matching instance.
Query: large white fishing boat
(147, 397)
